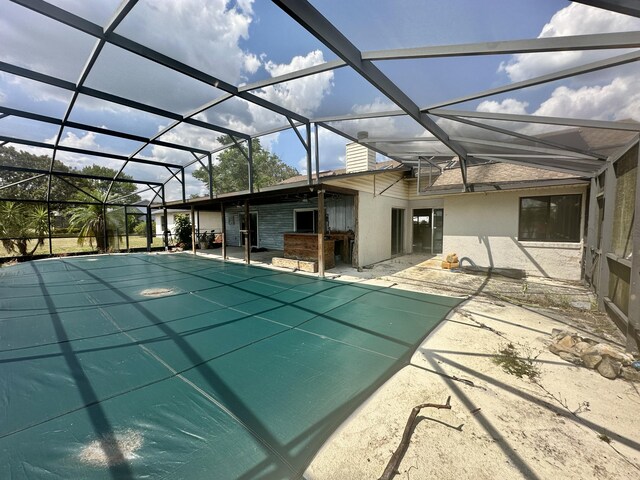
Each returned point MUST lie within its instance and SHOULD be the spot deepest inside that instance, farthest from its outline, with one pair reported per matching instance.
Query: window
(306, 221)
(553, 218)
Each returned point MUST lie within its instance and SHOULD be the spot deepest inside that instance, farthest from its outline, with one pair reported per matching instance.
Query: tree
(231, 174)
(22, 223)
(182, 229)
(36, 185)
(90, 222)
(119, 189)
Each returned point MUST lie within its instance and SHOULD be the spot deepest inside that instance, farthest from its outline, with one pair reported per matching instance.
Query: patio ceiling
(114, 62)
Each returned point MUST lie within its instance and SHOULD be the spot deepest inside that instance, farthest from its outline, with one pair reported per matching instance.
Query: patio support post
(149, 227)
(250, 165)
(224, 231)
(184, 186)
(126, 228)
(307, 147)
(317, 146)
(104, 228)
(49, 223)
(210, 164)
(193, 230)
(355, 255)
(321, 222)
(633, 323)
(165, 229)
(606, 229)
(591, 246)
(247, 233)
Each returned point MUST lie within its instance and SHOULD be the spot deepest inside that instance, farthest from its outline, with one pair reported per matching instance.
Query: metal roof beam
(628, 7)
(400, 140)
(101, 130)
(73, 175)
(563, 121)
(485, 187)
(354, 139)
(91, 92)
(287, 77)
(113, 38)
(519, 147)
(409, 151)
(359, 116)
(551, 77)
(597, 41)
(582, 160)
(313, 21)
(543, 166)
(511, 133)
(34, 143)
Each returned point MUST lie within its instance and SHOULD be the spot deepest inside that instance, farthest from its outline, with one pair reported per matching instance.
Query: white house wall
(482, 229)
(208, 220)
(374, 227)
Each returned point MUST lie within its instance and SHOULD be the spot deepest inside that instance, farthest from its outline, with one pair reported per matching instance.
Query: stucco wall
(374, 227)
(483, 228)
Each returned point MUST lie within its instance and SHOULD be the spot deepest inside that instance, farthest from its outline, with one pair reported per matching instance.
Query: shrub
(182, 229)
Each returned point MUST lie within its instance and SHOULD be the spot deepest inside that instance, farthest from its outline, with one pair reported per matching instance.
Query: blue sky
(244, 41)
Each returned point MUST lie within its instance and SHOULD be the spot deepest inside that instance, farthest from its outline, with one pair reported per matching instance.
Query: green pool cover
(179, 367)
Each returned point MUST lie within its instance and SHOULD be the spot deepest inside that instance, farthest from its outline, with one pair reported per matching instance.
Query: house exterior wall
(483, 229)
(374, 227)
(208, 220)
(276, 219)
(377, 195)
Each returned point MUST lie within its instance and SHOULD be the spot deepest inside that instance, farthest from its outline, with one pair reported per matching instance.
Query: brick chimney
(359, 158)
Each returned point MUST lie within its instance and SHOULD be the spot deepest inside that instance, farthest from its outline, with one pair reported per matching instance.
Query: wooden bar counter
(304, 246)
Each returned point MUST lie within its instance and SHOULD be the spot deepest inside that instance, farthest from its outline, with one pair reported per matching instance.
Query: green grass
(63, 246)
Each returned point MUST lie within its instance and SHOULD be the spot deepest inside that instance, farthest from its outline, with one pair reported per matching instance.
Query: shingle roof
(496, 173)
(602, 141)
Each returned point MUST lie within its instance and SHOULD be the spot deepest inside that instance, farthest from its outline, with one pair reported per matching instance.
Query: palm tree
(22, 223)
(90, 221)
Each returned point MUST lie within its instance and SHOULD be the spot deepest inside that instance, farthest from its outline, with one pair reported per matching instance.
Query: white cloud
(75, 160)
(303, 95)
(184, 134)
(575, 19)
(509, 105)
(374, 127)
(251, 63)
(617, 100)
(87, 141)
(207, 33)
(612, 94)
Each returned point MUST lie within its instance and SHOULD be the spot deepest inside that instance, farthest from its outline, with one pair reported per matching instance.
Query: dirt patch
(550, 425)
